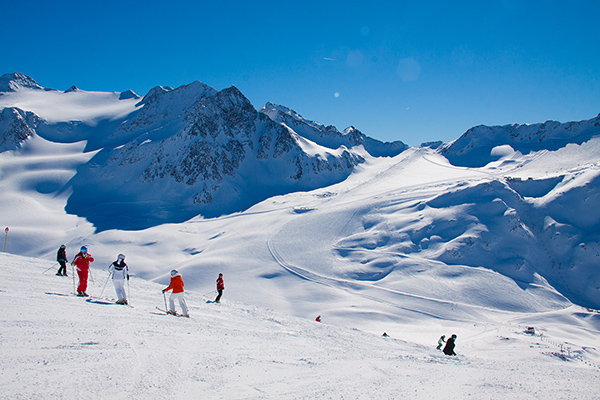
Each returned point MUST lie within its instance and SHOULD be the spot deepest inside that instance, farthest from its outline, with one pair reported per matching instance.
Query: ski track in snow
(59, 346)
(355, 288)
(383, 250)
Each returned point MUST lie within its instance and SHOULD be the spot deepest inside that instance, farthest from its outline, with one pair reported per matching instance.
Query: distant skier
(318, 319)
(61, 257)
(120, 272)
(82, 263)
(177, 286)
(441, 342)
(220, 288)
(449, 348)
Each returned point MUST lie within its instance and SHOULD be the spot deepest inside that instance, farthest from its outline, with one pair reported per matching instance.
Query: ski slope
(55, 345)
(410, 245)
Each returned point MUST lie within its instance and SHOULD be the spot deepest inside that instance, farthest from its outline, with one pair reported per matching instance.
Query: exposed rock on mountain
(16, 81)
(475, 147)
(329, 136)
(16, 126)
(193, 150)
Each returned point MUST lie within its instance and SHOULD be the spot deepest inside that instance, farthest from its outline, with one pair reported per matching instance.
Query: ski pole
(73, 274)
(91, 277)
(53, 266)
(105, 283)
(128, 292)
(186, 306)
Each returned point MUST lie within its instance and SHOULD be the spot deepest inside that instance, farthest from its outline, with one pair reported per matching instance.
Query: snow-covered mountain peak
(236, 97)
(195, 150)
(154, 93)
(72, 89)
(283, 114)
(329, 136)
(14, 81)
(183, 95)
(474, 147)
(128, 94)
(16, 126)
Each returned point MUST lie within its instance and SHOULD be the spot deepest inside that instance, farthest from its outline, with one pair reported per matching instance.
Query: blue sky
(396, 70)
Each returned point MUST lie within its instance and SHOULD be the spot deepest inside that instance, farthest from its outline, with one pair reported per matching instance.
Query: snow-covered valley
(408, 244)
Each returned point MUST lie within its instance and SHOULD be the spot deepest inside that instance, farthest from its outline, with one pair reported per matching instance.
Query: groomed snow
(409, 245)
(55, 345)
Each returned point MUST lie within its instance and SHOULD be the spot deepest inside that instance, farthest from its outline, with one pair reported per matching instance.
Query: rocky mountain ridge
(188, 151)
(475, 147)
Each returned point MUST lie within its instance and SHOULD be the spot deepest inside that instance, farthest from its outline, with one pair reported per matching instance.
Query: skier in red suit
(220, 288)
(82, 263)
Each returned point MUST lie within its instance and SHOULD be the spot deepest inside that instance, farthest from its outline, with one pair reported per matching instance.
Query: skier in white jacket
(120, 272)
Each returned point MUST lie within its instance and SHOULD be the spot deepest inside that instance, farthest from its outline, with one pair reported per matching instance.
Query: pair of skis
(101, 300)
(175, 314)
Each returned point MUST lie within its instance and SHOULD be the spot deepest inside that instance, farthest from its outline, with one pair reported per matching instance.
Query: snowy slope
(329, 136)
(176, 153)
(55, 345)
(196, 151)
(411, 245)
(475, 148)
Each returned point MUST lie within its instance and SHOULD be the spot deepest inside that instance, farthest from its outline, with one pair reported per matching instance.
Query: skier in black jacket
(61, 257)
(449, 348)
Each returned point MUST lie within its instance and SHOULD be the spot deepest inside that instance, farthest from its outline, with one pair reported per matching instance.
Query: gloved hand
(164, 290)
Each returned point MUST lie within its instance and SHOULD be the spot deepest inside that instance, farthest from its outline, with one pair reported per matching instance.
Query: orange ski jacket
(176, 284)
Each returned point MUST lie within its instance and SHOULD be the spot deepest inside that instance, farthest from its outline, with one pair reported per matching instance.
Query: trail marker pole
(5, 237)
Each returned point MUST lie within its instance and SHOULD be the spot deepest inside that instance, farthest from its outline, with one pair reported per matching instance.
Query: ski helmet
(174, 272)
(83, 249)
(121, 256)
(62, 246)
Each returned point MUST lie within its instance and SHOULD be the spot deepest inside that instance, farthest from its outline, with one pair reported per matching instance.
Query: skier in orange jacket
(176, 286)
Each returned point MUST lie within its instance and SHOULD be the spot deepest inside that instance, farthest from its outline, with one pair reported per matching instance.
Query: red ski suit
(82, 263)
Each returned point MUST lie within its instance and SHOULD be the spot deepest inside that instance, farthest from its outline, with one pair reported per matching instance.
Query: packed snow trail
(423, 305)
(60, 346)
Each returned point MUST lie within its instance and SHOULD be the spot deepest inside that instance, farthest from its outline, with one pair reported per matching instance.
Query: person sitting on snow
(177, 286)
